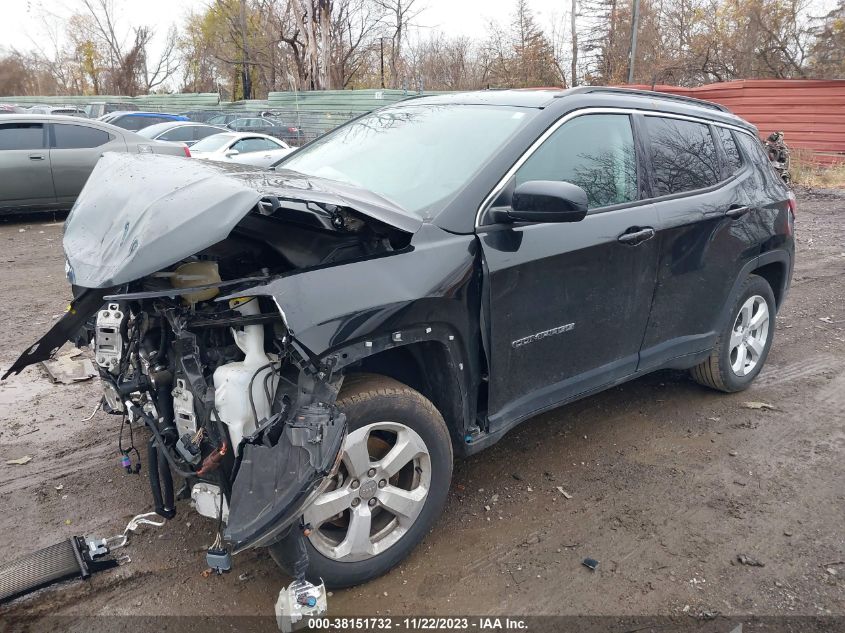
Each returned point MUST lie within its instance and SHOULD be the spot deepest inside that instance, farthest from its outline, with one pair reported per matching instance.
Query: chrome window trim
(488, 200)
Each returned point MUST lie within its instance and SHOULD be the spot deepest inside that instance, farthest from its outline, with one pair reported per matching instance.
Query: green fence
(321, 100)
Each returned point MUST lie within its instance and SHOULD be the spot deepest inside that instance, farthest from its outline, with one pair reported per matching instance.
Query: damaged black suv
(309, 346)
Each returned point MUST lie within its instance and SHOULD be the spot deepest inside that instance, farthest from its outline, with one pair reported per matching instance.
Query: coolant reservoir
(231, 381)
(195, 274)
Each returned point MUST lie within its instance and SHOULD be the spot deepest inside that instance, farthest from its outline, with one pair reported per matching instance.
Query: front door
(566, 304)
(25, 179)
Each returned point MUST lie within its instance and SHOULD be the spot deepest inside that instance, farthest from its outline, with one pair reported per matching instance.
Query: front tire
(391, 486)
(744, 343)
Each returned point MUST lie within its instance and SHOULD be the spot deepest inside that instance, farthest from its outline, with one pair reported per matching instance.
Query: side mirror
(232, 152)
(548, 201)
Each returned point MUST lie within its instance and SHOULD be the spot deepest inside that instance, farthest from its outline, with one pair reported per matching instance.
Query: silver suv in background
(45, 160)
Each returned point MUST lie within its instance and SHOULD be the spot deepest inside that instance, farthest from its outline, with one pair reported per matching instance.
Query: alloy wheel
(378, 493)
(749, 335)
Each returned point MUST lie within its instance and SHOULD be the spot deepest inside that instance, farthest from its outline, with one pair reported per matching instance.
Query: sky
(22, 25)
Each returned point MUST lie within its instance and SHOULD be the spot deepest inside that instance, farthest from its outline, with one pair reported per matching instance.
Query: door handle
(636, 235)
(737, 211)
(36, 157)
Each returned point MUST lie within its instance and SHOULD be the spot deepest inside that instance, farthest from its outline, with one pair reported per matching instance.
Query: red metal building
(810, 112)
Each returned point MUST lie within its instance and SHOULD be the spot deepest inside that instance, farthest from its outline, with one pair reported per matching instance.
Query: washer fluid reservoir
(232, 380)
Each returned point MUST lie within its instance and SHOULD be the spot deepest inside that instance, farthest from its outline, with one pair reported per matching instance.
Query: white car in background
(245, 148)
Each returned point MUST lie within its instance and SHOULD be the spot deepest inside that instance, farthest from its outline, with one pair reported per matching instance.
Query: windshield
(418, 156)
(211, 143)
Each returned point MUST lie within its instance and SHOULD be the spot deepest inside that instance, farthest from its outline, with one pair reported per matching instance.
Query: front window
(418, 156)
(595, 152)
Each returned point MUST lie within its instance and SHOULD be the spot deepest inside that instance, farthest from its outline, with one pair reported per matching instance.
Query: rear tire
(381, 410)
(744, 342)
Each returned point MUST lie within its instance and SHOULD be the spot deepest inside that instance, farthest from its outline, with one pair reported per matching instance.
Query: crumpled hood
(139, 213)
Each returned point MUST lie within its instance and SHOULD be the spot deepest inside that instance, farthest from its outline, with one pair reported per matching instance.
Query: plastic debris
(20, 461)
(590, 563)
(68, 368)
(563, 492)
(758, 406)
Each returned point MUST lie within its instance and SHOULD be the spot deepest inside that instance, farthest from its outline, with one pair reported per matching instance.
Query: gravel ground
(669, 483)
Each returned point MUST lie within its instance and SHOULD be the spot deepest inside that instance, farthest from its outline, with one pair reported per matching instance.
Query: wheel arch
(427, 359)
(774, 266)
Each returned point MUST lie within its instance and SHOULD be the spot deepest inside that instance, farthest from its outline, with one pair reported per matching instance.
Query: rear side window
(183, 133)
(22, 136)
(733, 160)
(595, 152)
(78, 136)
(201, 131)
(683, 155)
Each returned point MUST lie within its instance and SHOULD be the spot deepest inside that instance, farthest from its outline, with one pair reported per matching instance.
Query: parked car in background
(224, 118)
(8, 108)
(244, 148)
(45, 159)
(139, 120)
(69, 110)
(180, 131)
(266, 125)
(99, 108)
(200, 116)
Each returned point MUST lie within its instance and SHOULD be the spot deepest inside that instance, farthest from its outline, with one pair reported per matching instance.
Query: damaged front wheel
(390, 488)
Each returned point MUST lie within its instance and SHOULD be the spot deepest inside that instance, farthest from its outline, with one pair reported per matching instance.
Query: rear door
(74, 150)
(700, 188)
(25, 165)
(566, 304)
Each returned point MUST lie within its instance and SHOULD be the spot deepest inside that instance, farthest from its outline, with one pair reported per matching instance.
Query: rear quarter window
(683, 155)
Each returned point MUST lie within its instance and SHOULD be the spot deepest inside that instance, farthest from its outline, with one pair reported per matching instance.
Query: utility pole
(381, 45)
(574, 79)
(635, 23)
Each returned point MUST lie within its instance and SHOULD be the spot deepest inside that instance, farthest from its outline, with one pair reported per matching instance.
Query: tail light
(293, 129)
(187, 151)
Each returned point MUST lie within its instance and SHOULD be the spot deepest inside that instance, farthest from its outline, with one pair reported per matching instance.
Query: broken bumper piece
(274, 484)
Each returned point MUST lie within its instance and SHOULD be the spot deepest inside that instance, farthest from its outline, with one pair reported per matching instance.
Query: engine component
(243, 389)
(189, 448)
(112, 397)
(219, 559)
(196, 274)
(206, 499)
(184, 413)
(298, 602)
(108, 346)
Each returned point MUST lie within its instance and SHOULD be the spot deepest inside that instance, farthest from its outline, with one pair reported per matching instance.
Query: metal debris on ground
(68, 368)
(590, 563)
(750, 562)
(563, 492)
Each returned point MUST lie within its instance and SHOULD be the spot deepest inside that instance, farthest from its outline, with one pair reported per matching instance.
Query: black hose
(166, 487)
(155, 483)
(150, 422)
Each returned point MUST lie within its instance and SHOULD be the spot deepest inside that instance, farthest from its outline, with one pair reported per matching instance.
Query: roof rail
(650, 93)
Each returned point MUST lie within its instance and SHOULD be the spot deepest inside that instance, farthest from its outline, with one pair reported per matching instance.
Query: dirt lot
(670, 482)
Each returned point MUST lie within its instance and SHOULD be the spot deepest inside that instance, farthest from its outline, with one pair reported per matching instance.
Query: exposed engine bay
(222, 384)
(190, 347)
